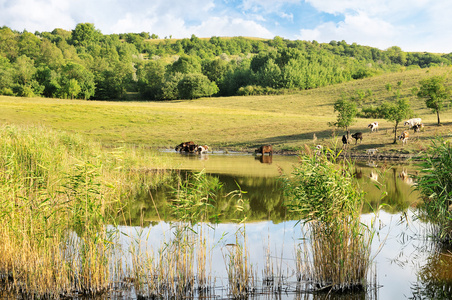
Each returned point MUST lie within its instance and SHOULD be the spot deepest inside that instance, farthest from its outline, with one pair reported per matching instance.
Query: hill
(235, 123)
(86, 64)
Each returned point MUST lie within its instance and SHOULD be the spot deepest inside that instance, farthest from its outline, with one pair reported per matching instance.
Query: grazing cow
(412, 122)
(183, 146)
(373, 126)
(344, 140)
(418, 127)
(265, 149)
(404, 137)
(202, 149)
(358, 136)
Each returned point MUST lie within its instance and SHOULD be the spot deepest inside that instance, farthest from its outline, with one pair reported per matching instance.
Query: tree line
(85, 64)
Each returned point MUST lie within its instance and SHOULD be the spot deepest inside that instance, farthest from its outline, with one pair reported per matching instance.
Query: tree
(185, 65)
(194, 86)
(84, 77)
(347, 111)
(73, 88)
(85, 34)
(396, 112)
(435, 93)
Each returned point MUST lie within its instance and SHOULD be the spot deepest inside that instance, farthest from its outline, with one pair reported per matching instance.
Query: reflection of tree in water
(434, 277)
(265, 197)
(263, 194)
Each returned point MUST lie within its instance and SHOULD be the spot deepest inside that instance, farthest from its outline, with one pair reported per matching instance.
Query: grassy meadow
(233, 123)
(238, 123)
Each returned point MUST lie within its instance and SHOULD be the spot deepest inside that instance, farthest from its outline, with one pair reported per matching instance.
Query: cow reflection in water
(264, 159)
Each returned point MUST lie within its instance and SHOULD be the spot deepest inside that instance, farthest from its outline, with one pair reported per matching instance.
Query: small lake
(406, 264)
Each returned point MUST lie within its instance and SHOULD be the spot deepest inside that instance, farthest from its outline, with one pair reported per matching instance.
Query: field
(234, 123)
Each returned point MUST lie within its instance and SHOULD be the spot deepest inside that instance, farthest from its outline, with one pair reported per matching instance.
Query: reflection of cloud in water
(395, 245)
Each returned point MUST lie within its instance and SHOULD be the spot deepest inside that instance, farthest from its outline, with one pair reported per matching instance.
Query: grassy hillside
(235, 123)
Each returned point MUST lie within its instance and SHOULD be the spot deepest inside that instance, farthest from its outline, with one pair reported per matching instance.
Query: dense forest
(86, 64)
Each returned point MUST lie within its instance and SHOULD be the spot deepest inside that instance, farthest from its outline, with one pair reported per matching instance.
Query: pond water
(405, 265)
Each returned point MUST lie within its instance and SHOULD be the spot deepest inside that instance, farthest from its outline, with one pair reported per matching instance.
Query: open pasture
(235, 123)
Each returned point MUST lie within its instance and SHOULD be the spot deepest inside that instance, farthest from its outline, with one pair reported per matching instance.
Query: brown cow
(182, 146)
(265, 149)
(358, 136)
(404, 137)
(187, 147)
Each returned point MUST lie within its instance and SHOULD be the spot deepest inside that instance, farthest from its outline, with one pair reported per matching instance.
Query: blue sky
(413, 25)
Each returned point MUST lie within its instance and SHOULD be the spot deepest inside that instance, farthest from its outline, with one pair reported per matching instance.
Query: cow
(412, 122)
(373, 126)
(358, 136)
(183, 146)
(344, 141)
(404, 137)
(265, 149)
(191, 148)
(202, 149)
(418, 127)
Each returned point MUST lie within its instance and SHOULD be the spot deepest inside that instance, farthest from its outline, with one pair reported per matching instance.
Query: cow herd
(414, 123)
(191, 147)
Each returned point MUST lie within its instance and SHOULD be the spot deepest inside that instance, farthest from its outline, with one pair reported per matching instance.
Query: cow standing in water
(189, 147)
(265, 149)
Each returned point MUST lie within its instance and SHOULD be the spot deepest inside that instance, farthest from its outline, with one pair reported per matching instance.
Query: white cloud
(225, 26)
(359, 28)
(413, 25)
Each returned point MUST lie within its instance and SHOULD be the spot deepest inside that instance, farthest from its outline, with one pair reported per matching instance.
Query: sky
(412, 25)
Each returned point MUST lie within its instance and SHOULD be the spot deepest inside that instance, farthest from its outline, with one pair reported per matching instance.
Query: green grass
(238, 123)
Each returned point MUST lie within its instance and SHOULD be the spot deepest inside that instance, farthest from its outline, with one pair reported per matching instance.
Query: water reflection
(435, 276)
(388, 185)
(403, 270)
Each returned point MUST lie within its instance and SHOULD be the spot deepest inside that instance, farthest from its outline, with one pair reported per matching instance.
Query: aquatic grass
(328, 203)
(435, 185)
(59, 193)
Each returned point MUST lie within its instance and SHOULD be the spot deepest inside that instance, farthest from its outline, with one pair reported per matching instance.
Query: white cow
(413, 121)
(202, 149)
(373, 126)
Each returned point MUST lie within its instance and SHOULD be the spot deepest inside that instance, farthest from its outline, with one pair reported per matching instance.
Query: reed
(335, 254)
(58, 194)
(435, 185)
(180, 266)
